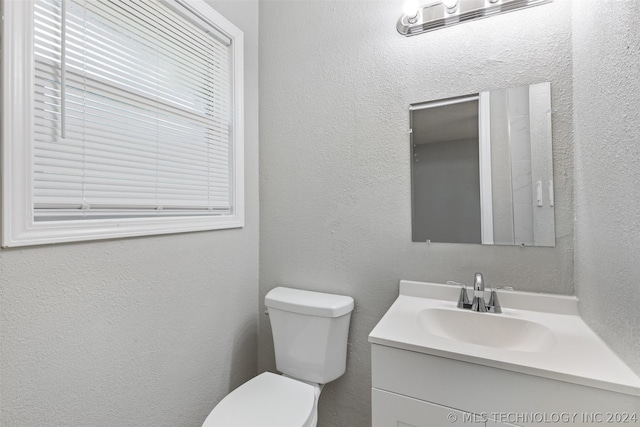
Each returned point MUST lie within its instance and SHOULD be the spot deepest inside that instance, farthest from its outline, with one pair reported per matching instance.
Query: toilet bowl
(310, 331)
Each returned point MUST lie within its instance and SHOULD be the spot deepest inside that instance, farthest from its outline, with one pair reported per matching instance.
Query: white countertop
(579, 356)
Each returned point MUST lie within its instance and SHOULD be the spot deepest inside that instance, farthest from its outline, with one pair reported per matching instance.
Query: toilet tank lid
(309, 302)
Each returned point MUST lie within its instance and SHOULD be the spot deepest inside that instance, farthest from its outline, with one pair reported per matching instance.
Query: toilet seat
(268, 400)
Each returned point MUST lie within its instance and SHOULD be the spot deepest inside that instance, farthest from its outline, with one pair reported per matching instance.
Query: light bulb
(451, 5)
(410, 8)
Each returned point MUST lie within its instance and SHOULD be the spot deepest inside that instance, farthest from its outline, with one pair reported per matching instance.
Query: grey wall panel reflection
(542, 163)
(501, 170)
(447, 210)
(520, 151)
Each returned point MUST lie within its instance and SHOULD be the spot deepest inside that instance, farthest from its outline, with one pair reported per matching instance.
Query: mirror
(482, 168)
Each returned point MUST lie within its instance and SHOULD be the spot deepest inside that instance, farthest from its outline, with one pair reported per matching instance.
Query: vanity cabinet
(491, 423)
(413, 389)
(392, 410)
(536, 363)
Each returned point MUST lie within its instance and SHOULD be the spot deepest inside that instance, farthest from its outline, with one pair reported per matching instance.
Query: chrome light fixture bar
(418, 19)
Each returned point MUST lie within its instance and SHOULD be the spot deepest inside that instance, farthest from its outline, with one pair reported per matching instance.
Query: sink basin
(485, 329)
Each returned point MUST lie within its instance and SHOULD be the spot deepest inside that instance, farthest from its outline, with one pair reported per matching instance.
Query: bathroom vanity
(537, 362)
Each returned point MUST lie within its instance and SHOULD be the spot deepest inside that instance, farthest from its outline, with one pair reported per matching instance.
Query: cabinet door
(491, 423)
(394, 410)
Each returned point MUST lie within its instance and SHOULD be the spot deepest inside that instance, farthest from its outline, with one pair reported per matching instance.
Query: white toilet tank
(310, 331)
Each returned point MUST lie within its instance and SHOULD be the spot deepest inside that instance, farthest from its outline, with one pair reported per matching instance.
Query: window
(120, 118)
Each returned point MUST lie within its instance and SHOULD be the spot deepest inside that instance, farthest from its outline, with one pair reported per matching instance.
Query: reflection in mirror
(482, 168)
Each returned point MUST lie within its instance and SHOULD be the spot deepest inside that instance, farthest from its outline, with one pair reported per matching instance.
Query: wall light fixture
(421, 18)
(410, 10)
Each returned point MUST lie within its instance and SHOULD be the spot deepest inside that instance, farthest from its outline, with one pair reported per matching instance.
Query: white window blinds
(132, 112)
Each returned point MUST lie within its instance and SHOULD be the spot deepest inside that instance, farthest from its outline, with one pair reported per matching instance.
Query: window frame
(18, 225)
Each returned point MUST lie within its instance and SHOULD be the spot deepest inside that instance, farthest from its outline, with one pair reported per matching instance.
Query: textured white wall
(135, 332)
(607, 202)
(336, 80)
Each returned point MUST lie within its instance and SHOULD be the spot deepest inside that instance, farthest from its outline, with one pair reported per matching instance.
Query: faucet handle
(494, 304)
(463, 299)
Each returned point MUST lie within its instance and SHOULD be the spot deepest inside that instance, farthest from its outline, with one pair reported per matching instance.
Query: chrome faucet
(478, 294)
(478, 304)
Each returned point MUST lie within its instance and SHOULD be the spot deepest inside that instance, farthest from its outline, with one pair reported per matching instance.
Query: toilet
(310, 331)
